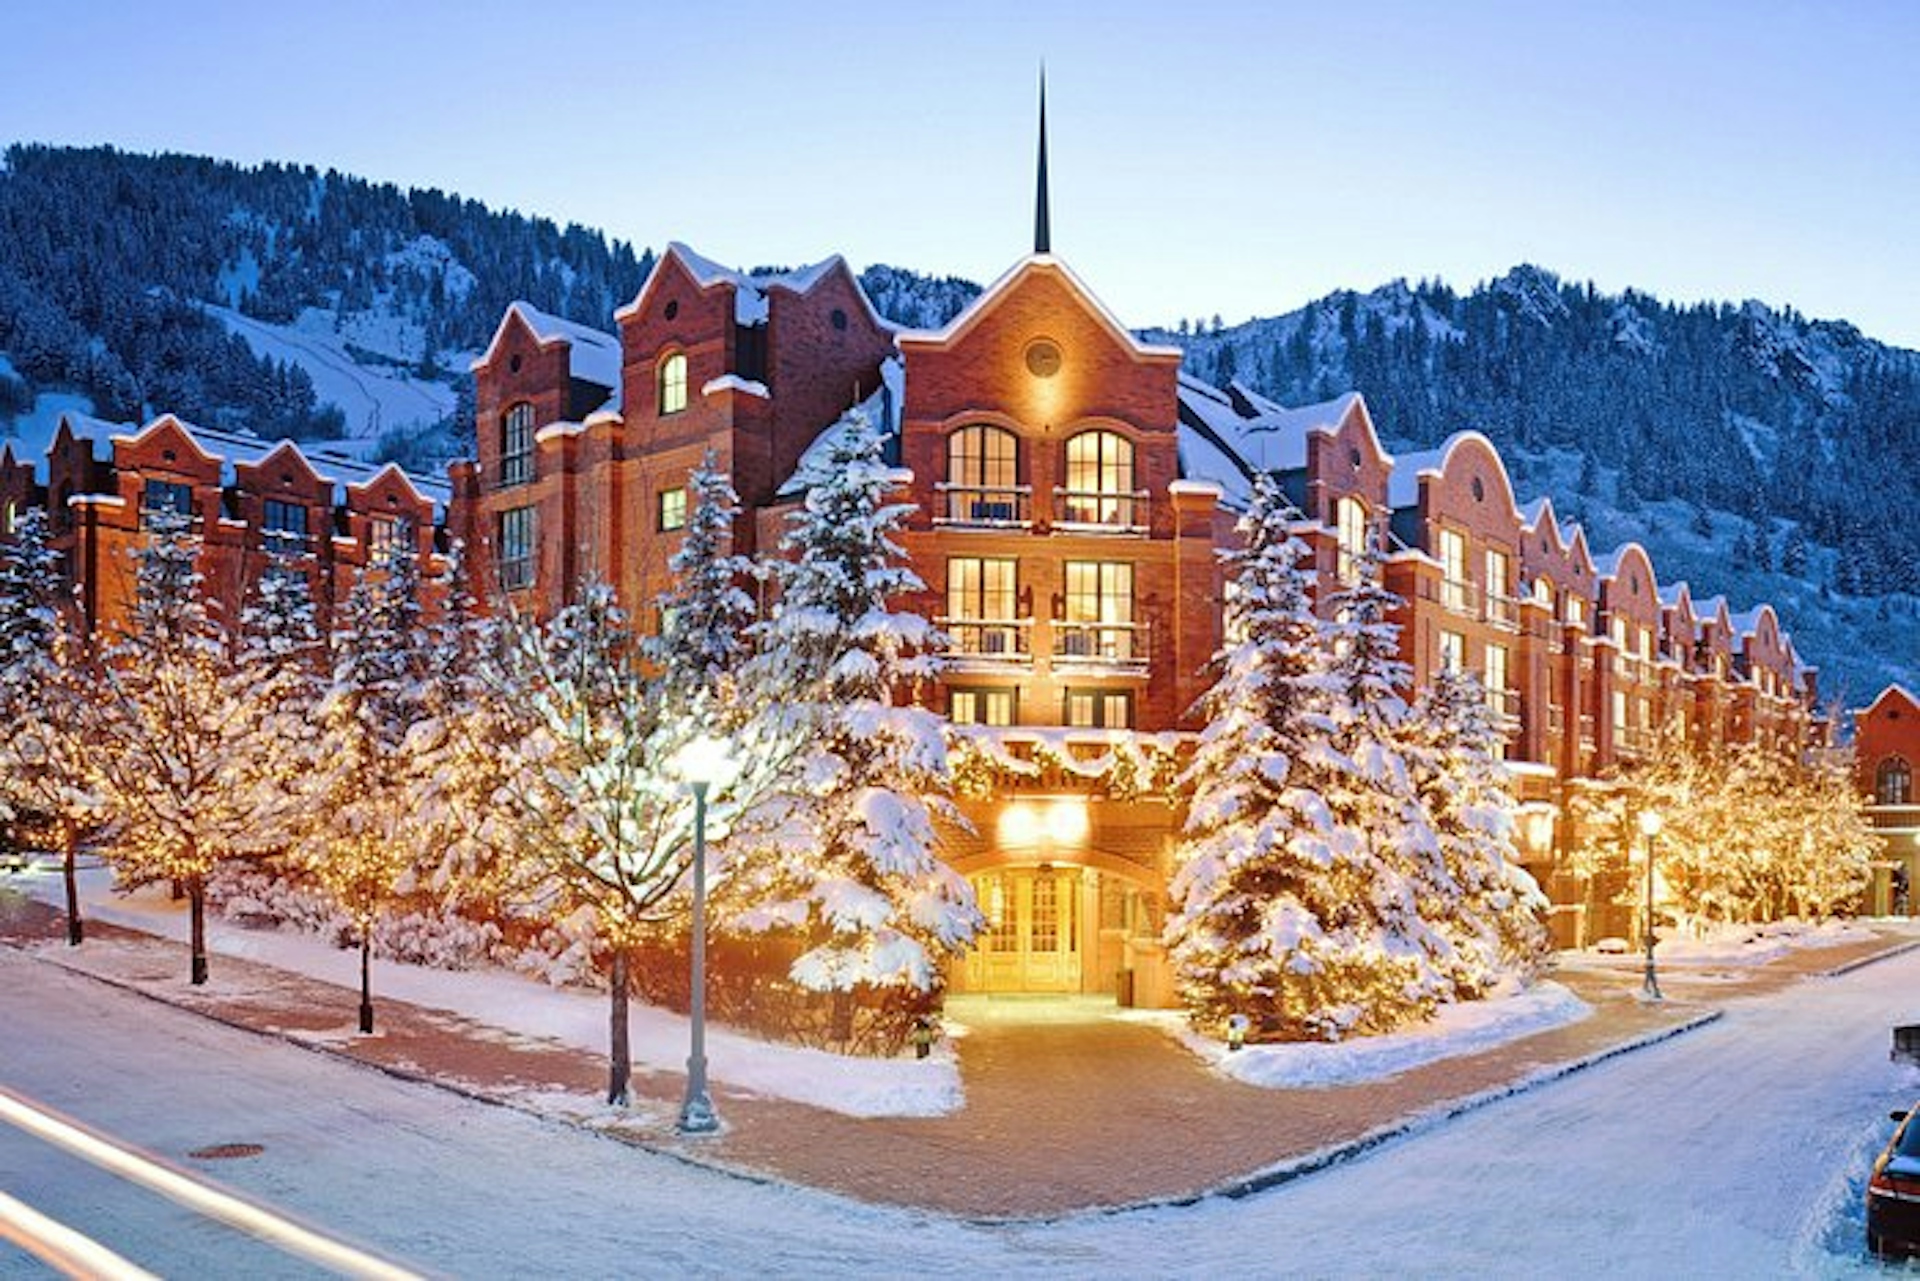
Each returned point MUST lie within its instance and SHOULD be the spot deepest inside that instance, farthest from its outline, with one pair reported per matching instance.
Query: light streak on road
(60, 1247)
(135, 1167)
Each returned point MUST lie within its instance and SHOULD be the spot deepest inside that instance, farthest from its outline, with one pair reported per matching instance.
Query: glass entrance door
(1032, 939)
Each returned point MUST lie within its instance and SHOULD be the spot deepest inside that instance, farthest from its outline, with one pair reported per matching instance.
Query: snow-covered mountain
(287, 301)
(1755, 452)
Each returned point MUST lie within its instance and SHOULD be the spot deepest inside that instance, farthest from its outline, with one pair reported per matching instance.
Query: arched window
(1350, 523)
(1893, 782)
(516, 445)
(1099, 489)
(673, 383)
(982, 475)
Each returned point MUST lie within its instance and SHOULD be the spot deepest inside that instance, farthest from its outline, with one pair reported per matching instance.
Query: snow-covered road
(1727, 1152)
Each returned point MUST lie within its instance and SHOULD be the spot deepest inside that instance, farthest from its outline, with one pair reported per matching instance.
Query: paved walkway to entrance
(1068, 1106)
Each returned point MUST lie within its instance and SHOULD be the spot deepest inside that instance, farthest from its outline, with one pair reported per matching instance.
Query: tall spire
(1042, 236)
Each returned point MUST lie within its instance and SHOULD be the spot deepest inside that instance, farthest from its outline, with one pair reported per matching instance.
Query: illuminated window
(673, 383)
(1455, 592)
(1099, 709)
(981, 707)
(383, 540)
(1576, 610)
(673, 508)
(516, 445)
(1497, 677)
(983, 596)
(982, 471)
(1099, 488)
(1893, 782)
(514, 549)
(285, 528)
(1619, 711)
(1099, 611)
(1497, 571)
(1350, 525)
(1453, 651)
(13, 518)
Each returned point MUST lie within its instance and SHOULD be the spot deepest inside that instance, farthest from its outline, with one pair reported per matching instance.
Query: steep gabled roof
(592, 356)
(750, 289)
(971, 314)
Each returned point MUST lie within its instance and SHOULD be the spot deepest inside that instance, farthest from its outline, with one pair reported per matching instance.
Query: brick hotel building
(1071, 489)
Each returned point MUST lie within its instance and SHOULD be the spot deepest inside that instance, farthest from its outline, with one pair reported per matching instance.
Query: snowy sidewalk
(1059, 1116)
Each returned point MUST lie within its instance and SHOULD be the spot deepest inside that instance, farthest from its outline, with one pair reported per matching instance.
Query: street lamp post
(1650, 828)
(702, 762)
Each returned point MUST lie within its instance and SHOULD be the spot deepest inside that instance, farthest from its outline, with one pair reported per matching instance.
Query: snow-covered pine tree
(706, 615)
(44, 702)
(358, 843)
(1497, 932)
(1398, 957)
(845, 856)
(178, 743)
(1259, 896)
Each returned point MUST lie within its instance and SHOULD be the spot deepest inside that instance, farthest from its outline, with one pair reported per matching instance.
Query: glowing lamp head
(1650, 823)
(704, 761)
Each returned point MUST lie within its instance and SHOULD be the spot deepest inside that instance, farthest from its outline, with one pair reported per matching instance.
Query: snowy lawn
(1465, 1028)
(515, 1004)
(1736, 944)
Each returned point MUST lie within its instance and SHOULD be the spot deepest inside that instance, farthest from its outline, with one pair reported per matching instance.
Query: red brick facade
(1070, 491)
(1886, 762)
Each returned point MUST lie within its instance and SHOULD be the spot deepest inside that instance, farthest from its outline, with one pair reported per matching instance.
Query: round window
(513, 364)
(1043, 358)
(1353, 454)
(1479, 490)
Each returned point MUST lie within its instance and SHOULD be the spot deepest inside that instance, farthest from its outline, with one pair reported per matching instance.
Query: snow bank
(520, 1006)
(1739, 944)
(1465, 1028)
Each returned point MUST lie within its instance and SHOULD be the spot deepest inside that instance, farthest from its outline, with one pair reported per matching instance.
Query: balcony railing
(1505, 706)
(1102, 510)
(985, 507)
(1460, 597)
(1100, 644)
(1503, 611)
(988, 641)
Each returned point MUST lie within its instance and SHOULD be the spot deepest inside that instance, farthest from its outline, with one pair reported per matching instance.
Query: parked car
(1893, 1191)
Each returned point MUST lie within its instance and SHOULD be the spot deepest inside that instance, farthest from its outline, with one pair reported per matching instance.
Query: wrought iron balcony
(1104, 511)
(1099, 644)
(984, 506)
(988, 642)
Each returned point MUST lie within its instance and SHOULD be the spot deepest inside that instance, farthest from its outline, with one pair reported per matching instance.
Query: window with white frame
(1098, 620)
(1099, 489)
(514, 548)
(284, 527)
(1498, 567)
(1455, 593)
(673, 383)
(983, 475)
(1453, 651)
(1497, 678)
(983, 602)
(516, 445)
(1350, 532)
(673, 508)
(383, 539)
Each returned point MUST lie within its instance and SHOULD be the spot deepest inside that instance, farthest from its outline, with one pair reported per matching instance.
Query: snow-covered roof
(1531, 513)
(1272, 437)
(1607, 565)
(592, 355)
(233, 449)
(981, 305)
(1747, 623)
(1895, 690)
(749, 288)
(1403, 482)
(1671, 594)
(882, 409)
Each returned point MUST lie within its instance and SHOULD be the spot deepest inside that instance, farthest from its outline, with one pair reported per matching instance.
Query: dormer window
(516, 445)
(673, 383)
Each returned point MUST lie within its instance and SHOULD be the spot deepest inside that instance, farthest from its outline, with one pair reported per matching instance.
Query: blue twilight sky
(1237, 159)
